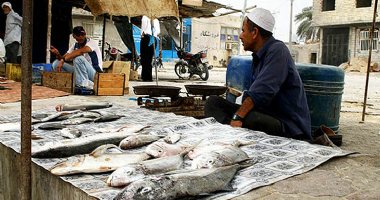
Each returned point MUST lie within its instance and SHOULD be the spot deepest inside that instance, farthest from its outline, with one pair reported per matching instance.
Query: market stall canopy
(132, 8)
(123, 7)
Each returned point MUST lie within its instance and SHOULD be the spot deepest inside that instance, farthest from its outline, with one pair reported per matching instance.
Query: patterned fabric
(274, 158)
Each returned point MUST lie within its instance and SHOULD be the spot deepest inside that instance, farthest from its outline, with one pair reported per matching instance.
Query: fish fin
(239, 143)
(190, 148)
(228, 188)
(102, 149)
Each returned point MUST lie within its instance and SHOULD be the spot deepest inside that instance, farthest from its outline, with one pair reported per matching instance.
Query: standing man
(146, 46)
(276, 101)
(85, 56)
(12, 38)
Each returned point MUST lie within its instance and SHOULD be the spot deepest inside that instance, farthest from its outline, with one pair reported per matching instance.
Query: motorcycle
(114, 54)
(191, 64)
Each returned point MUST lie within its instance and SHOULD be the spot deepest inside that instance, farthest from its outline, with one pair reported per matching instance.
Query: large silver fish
(180, 185)
(59, 116)
(162, 149)
(97, 162)
(227, 156)
(10, 127)
(135, 141)
(71, 133)
(127, 174)
(217, 155)
(82, 145)
(76, 121)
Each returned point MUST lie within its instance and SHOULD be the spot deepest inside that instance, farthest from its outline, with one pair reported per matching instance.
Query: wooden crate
(13, 71)
(2, 69)
(63, 81)
(109, 84)
(118, 67)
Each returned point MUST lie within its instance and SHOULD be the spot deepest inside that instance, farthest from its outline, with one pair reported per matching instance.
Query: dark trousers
(223, 110)
(146, 52)
(11, 51)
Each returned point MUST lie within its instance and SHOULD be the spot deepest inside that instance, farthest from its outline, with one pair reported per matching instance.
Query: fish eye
(210, 161)
(160, 151)
(129, 172)
(146, 190)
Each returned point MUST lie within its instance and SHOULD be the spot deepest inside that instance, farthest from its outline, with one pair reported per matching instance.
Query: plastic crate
(83, 91)
(37, 70)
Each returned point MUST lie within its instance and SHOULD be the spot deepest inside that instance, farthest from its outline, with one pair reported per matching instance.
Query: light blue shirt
(13, 26)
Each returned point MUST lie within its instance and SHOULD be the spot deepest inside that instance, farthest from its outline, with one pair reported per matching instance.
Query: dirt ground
(353, 177)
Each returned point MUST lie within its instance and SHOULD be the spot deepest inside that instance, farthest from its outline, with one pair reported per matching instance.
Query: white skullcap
(262, 18)
(6, 4)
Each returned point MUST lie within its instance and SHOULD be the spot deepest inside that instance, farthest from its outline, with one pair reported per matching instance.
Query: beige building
(344, 26)
(219, 35)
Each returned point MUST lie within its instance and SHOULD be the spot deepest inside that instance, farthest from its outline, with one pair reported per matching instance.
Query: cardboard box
(133, 75)
(109, 84)
(63, 81)
(118, 67)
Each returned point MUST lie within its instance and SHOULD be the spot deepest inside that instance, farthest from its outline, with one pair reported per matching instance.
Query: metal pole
(48, 32)
(241, 24)
(26, 102)
(104, 34)
(291, 25)
(369, 59)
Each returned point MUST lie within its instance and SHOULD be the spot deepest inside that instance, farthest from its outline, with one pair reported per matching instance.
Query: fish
(71, 133)
(76, 121)
(102, 162)
(215, 146)
(54, 117)
(135, 141)
(162, 149)
(51, 126)
(219, 158)
(172, 138)
(93, 106)
(108, 118)
(82, 145)
(10, 127)
(130, 173)
(180, 185)
(86, 114)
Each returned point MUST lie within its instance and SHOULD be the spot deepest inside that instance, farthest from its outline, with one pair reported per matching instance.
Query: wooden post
(26, 100)
(48, 35)
(369, 59)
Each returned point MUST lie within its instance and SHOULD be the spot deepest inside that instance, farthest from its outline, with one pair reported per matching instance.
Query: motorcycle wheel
(182, 70)
(204, 74)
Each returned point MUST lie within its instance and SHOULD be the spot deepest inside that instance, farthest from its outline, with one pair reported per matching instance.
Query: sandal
(335, 138)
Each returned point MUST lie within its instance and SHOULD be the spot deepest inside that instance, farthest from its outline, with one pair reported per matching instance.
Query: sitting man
(85, 56)
(276, 101)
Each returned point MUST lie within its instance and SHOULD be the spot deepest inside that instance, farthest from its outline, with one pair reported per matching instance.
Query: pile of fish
(147, 165)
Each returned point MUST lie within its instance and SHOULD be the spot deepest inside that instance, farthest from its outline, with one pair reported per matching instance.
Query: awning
(132, 8)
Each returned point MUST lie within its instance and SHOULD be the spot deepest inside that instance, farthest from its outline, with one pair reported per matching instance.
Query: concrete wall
(345, 13)
(45, 186)
(206, 35)
(302, 52)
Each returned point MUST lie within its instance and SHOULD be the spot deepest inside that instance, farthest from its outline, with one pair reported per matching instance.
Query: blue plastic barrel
(323, 84)
(238, 75)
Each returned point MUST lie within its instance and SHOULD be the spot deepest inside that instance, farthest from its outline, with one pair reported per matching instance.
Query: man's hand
(236, 123)
(55, 51)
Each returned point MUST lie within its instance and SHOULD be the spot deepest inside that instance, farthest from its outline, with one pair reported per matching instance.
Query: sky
(280, 10)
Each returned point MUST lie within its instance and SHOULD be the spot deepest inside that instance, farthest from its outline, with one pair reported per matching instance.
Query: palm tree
(306, 31)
